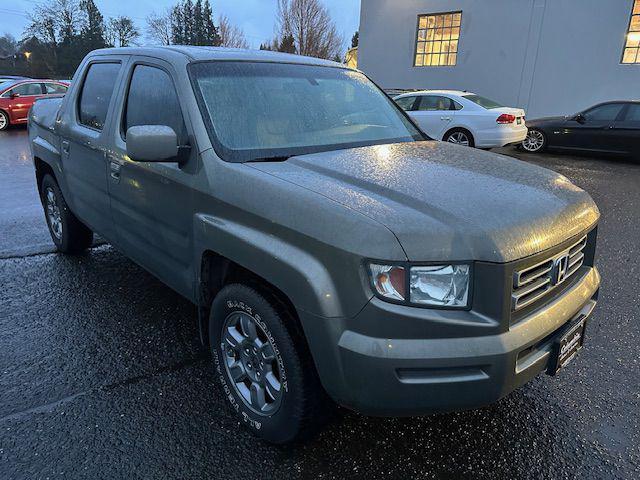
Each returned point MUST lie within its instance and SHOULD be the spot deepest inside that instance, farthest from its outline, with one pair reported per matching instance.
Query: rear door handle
(65, 146)
(448, 119)
(115, 168)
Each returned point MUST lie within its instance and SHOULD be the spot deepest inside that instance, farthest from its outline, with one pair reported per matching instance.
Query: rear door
(594, 132)
(434, 114)
(83, 131)
(151, 202)
(626, 131)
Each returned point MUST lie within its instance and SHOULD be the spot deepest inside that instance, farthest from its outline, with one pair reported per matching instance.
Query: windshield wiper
(281, 158)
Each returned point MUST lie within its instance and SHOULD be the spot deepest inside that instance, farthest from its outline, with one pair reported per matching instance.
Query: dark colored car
(11, 78)
(17, 97)
(332, 250)
(610, 127)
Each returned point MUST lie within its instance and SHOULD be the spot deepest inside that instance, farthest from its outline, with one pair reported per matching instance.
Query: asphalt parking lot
(102, 374)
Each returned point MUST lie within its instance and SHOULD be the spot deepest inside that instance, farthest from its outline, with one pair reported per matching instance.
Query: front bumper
(413, 376)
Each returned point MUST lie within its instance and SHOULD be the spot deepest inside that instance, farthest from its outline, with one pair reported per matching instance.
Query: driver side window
(603, 113)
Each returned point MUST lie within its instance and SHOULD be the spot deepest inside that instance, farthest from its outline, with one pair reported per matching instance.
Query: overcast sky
(255, 17)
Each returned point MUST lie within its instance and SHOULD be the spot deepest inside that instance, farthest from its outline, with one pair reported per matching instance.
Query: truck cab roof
(197, 54)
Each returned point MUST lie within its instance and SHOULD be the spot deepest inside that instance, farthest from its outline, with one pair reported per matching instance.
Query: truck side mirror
(152, 143)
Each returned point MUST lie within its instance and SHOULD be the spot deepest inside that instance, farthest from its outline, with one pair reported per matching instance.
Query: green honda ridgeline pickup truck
(333, 250)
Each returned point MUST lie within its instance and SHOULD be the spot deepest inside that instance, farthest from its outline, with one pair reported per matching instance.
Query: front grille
(534, 282)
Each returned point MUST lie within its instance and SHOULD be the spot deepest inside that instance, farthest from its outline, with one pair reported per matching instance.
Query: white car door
(433, 115)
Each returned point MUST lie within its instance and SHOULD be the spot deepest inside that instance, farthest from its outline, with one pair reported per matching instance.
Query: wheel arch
(459, 127)
(43, 168)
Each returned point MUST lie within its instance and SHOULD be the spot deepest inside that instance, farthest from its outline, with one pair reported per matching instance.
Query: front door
(151, 201)
(83, 131)
(593, 130)
(434, 114)
(24, 96)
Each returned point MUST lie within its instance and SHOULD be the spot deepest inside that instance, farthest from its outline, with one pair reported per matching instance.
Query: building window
(632, 48)
(437, 39)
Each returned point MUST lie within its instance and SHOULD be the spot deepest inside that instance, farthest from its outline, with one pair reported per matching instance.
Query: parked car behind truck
(464, 118)
(18, 95)
(331, 250)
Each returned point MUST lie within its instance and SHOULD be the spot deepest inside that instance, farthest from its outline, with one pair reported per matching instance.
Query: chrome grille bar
(534, 282)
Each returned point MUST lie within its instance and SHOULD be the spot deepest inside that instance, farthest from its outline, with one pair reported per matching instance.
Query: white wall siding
(547, 56)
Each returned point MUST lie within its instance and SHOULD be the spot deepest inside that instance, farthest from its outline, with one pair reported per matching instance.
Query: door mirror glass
(580, 118)
(152, 143)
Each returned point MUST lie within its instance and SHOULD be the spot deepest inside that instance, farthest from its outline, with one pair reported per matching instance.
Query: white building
(547, 56)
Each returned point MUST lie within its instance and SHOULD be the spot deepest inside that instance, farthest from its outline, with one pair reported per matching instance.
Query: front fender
(303, 277)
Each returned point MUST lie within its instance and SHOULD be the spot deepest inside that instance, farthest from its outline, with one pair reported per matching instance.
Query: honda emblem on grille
(560, 269)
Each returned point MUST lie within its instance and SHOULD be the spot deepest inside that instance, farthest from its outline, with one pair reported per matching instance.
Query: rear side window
(430, 103)
(55, 88)
(483, 102)
(152, 100)
(96, 94)
(406, 103)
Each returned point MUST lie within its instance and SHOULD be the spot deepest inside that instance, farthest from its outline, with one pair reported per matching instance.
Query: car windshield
(261, 111)
(483, 102)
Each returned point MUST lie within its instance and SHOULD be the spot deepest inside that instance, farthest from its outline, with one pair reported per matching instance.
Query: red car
(17, 96)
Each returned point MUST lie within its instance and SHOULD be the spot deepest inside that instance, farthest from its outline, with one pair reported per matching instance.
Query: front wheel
(535, 141)
(68, 233)
(263, 366)
(460, 136)
(4, 121)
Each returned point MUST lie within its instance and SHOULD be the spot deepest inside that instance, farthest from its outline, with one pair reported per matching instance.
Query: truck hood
(447, 202)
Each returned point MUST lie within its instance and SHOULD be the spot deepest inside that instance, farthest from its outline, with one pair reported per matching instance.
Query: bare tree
(231, 35)
(159, 28)
(311, 26)
(122, 32)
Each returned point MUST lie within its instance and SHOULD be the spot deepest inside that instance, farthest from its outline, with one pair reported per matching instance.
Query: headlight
(435, 285)
(442, 285)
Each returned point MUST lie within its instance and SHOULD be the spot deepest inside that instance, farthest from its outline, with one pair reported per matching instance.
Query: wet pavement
(102, 374)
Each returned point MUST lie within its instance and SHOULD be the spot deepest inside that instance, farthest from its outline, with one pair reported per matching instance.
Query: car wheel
(535, 141)
(460, 136)
(4, 121)
(264, 367)
(68, 233)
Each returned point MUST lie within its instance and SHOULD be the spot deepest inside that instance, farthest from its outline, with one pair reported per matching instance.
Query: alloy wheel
(251, 363)
(459, 138)
(534, 141)
(3, 121)
(53, 212)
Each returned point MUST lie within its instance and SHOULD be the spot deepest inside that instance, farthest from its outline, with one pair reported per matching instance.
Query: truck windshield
(263, 111)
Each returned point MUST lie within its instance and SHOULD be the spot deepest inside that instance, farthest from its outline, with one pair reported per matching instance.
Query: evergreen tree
(188, 24)
(355, 39)
(177, 26)
(93, 29)
(287, 44)
(211, 32)
(199, 31)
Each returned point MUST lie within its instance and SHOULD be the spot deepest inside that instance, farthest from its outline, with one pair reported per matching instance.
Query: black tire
(68, 233)
(535, 142)
(455, 133)
(4, 121)
(302, 407)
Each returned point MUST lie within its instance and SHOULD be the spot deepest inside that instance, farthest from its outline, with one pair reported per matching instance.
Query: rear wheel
(535, 141)
(4, 121)
(264, 367)
(460, 136)
(68, 233)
